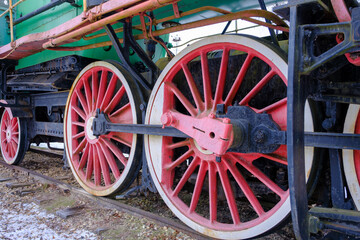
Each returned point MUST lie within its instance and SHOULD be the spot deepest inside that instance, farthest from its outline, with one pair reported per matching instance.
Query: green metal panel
(54, 17)
(63, 13)
(5, 32)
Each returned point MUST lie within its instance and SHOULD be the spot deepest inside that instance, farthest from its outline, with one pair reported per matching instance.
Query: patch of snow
(28, 221)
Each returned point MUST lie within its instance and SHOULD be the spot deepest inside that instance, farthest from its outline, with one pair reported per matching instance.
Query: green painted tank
(54, 17)
(66, 11)
(5, 34)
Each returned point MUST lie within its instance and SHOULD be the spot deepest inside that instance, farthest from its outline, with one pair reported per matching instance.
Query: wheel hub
(202, 150)
(89, 129)
(8, 134)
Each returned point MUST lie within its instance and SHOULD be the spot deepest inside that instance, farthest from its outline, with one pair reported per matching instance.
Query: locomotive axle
(250, 132)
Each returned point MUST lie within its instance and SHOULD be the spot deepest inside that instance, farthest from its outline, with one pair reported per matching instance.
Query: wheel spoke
(198, 186)
(94, 89)
(116, 151)
(274, 107)
(97, 169)
(15, 125)
(110, 159)
(186, 176)
(178, 144)
(240, 77)
(6, 120)
(245, 101)
(246, 157)
(80, 146)
(78, 135)
(115, 100)
(80, 124)
(245, 188)
(193, 89)
(13, 148)
(82, 101)
(15, 139)
(206, 80)
(123, 115)
(212, 192)
(7, 148)
(104, 166)
(88, 96)
(102, 88)
(90, 163)
(85, 157)
(261, 176)
(109, 92)
(275, 158)
(184, 101)
(229, 194)
(222, 78)
(278, 112)
(179, 160)
(79, 112)
(123, 138)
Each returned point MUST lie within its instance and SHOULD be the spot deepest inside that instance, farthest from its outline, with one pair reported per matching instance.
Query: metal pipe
(11, 21)
(183, 14)
(238, 15)
(40, 10)
(141, 7)
(271, 31)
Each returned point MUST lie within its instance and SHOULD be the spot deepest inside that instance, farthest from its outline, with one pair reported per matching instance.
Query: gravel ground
(33, 216)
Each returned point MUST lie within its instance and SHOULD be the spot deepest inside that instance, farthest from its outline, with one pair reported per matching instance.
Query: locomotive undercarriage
(230, 140)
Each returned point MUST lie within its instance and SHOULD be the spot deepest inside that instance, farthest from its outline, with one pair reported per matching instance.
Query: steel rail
(108, 203)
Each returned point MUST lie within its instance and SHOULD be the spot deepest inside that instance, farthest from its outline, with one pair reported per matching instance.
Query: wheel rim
(351, 158)
(10, 135)
(223, 174)
(105, 164)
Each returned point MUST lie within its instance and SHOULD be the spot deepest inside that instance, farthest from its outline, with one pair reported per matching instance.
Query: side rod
(101, 125)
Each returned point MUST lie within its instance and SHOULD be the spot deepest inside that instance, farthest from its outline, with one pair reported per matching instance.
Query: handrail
(9, 10)
(11, 21)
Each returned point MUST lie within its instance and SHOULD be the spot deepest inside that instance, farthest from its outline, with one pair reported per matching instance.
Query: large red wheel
(240, 195)
(351, 158)
(107, 164)
(13, 138)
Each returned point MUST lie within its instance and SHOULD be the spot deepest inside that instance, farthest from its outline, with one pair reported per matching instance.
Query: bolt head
(226, 120)
(259, 136)
(211, 115)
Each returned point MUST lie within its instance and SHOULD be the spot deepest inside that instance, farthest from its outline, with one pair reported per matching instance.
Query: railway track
(102, 201)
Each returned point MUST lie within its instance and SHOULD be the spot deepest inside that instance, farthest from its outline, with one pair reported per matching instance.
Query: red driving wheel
(236, 195)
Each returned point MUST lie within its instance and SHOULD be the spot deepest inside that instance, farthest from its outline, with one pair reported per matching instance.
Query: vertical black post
(271, 31)
(295, 132)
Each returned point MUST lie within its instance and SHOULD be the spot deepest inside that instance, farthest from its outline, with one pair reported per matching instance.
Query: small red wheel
(243, 195)
(107, 164)
(13, 138)
(351, 158)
